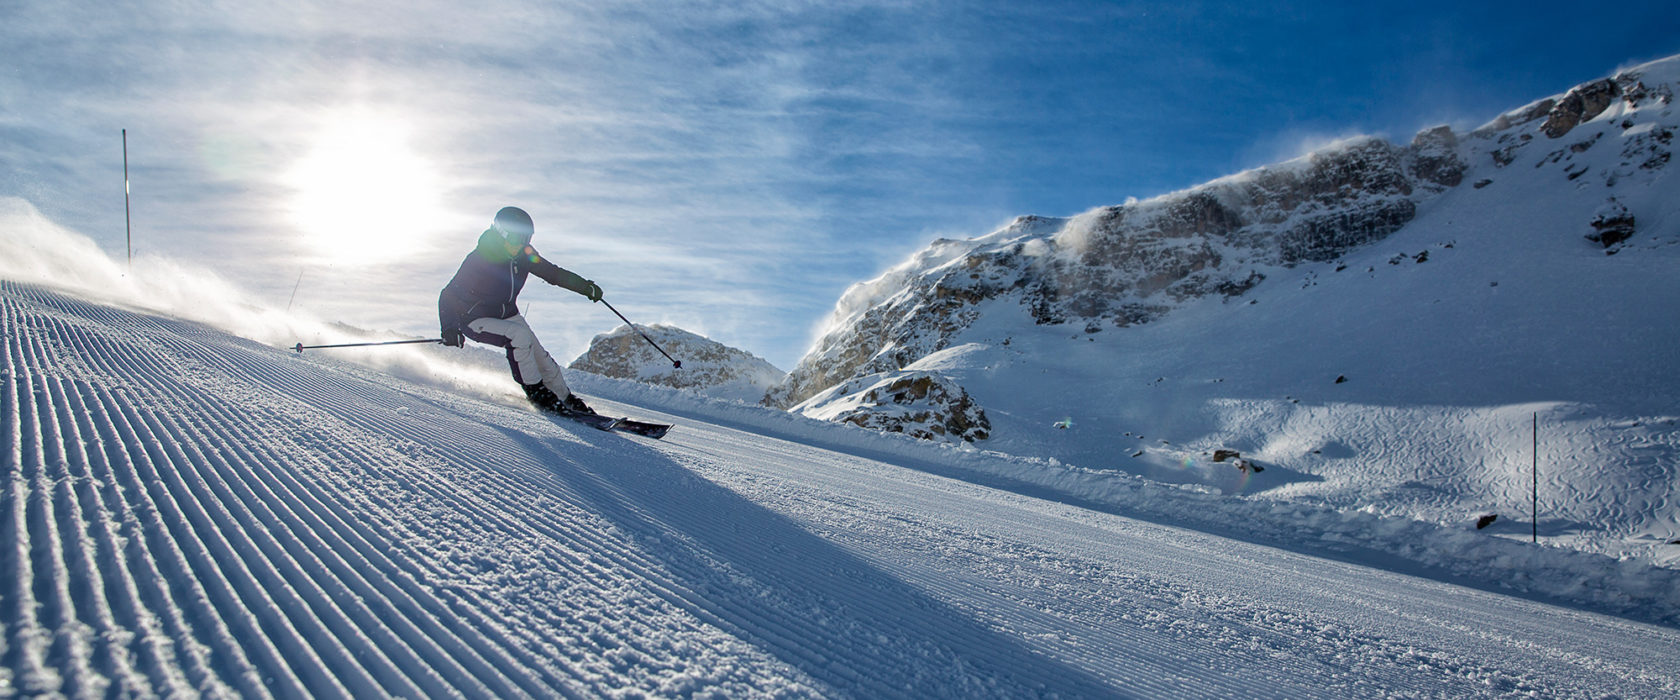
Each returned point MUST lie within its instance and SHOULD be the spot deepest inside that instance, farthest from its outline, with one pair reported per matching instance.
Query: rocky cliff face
(708, 367)
(1124, 265)
(1131, 264)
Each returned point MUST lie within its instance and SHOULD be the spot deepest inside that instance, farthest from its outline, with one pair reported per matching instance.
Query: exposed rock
(1507, 153)
(1435, 157)
(1127, 265)
(920, 404)
(1649, 150)
(1236, 459)
(1579, 105)
(1637, 94)
(1586, 145)
(1585, 102)
(1518, 117)
(1612, 224)
(1536, 111)
(708, 367)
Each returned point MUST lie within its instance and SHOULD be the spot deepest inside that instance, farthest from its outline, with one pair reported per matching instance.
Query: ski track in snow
(191, 513)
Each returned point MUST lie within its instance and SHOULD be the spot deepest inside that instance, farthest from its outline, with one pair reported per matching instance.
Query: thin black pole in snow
(676, 364)
(128, 216)
(300, 347)
(294, 292)
(1534, 495)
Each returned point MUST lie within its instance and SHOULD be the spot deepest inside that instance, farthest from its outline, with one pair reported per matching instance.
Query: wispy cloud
(720, 165)
(634, 134)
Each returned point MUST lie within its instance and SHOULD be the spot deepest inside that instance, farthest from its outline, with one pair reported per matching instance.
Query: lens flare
(1229, 479)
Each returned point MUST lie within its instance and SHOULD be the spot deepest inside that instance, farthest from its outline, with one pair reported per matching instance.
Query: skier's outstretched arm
(562, 277)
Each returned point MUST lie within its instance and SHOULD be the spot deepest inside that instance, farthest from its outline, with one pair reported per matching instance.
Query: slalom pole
(295, 286)
(128, 216)
(300, 347)
(675, 364)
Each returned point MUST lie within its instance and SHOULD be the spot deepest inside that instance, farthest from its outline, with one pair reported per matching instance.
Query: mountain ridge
(1123, 265)
(1370, 334)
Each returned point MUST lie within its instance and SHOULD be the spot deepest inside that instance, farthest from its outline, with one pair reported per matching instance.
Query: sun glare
(363, 192)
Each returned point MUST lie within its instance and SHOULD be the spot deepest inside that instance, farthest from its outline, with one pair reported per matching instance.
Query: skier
(480, 302)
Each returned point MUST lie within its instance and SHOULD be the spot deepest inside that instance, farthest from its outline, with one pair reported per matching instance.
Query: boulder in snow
(918, 403)
(1612, 224)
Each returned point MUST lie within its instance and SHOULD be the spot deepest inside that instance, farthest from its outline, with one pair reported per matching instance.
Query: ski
(642, 428)
(608, 423)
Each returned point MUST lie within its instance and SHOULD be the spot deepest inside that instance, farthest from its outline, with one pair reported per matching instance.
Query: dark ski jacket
(488, 283)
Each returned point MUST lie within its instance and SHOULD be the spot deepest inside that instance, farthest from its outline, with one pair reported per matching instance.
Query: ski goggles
(518, 236)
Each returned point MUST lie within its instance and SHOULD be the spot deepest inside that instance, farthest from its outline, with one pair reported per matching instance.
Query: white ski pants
(526, 357)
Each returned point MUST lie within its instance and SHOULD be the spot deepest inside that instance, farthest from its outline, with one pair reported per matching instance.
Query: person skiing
(481, 302)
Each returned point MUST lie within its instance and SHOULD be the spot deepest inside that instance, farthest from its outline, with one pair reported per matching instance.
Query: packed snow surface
(187, 511)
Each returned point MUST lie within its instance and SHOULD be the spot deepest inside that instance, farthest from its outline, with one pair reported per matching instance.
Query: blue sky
(728, 167)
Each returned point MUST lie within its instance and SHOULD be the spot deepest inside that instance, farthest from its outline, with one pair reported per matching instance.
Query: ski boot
(544, 399)
(573, 404)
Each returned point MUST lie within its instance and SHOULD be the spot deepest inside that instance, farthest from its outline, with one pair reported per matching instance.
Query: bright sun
(363, 192)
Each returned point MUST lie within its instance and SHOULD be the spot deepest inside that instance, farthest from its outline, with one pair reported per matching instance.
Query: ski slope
(189, 512)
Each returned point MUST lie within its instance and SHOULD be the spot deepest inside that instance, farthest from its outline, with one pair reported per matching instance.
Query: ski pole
(300, 347)
(675, 364)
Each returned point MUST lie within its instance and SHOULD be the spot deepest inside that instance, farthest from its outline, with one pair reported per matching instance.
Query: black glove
(593, 292)
(453, 338)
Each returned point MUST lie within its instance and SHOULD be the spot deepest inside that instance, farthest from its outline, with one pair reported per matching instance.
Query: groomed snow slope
(186, 511)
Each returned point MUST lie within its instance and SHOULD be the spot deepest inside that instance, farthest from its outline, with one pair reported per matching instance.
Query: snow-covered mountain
(1126, 265)
(708, 367)
(1377, 326)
